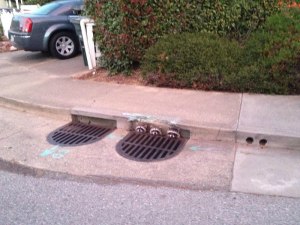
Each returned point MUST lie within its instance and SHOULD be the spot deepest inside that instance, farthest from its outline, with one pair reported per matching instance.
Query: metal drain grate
(74, 134)
(148, 148)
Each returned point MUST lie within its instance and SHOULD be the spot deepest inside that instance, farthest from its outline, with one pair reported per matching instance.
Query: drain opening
(76, 133)
(148, 148)
(249, 140)
(263, 142)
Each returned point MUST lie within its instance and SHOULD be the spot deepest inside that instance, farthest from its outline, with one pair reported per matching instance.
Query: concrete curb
(126, 121)
(56, 112)
(267, 140)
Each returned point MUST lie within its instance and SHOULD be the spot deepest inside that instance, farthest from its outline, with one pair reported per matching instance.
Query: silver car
(47, 29)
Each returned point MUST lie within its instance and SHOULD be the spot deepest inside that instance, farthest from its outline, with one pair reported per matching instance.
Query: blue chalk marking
(60, 154)
(137, 117)
(150, 119)
(114, 137)
(50, 151)
(57, 156)
(55, 152)
(196, 148)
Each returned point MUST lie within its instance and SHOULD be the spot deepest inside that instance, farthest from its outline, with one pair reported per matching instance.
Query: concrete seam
(233, 165)
(236, 144)
(238, 122)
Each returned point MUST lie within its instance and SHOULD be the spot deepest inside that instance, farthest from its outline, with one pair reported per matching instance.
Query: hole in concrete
(263, 142)
(249, 140)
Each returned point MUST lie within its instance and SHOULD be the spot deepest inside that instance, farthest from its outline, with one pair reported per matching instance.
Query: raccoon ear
(156, 131)
(141, 128)
(173, 132)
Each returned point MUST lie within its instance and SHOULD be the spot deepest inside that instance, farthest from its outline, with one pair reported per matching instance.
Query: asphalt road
(29, 200)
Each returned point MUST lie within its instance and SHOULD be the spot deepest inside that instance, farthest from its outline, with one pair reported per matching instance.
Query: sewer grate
(148, 148)
(75, 133)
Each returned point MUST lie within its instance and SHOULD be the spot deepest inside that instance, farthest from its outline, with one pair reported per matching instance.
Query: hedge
(192, 60)
(275, 51)
(267, 63)
(126, 28)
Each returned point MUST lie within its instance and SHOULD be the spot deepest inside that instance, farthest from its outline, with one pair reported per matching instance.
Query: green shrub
(110, 35)
(199, 60)
(275, 50)
(126, 28)
(251, 16)
(268, 63)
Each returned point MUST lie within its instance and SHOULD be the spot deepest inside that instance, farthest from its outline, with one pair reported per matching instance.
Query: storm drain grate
(148, 148)
(74, 134)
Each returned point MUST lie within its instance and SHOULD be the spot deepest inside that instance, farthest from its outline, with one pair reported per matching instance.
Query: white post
(9, 3)
(6, 21)
(85, 42)
(90, 39)
(17, 3)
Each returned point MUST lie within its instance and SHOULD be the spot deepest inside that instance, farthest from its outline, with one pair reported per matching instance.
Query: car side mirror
(77, 10)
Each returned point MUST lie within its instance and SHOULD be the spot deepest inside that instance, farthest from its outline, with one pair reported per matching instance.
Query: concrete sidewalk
(38, 83)
(33, 82)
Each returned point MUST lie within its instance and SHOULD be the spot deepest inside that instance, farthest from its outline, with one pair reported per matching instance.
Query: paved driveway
(41, 62)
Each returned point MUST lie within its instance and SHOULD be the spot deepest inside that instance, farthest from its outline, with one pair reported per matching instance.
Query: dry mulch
(102, 75)
(5, 46)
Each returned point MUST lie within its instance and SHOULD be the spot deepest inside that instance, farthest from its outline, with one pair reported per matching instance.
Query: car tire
(64, 45)
(45, 53)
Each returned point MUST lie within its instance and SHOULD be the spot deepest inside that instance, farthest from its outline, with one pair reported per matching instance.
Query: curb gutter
(127, 121)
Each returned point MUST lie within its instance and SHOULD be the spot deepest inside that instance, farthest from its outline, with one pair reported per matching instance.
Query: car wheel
(64, 45)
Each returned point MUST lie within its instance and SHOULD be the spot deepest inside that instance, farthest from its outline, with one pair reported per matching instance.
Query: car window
(64, 10)
(46, 9)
